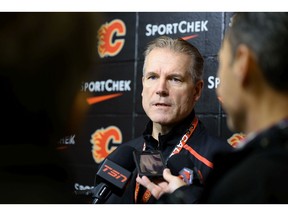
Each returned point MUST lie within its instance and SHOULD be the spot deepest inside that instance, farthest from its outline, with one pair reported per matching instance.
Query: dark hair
(266, 34)
(43, 60)
(46, 56)
(180, 46)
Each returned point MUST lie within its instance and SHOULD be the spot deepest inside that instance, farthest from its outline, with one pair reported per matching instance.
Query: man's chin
(162, 121)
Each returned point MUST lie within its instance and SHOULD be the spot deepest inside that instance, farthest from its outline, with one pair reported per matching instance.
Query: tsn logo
(114, 173)
(106, 45)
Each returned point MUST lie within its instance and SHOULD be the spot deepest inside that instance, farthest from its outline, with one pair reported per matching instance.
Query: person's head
(46, 56)
(253, 59)
(172, 80)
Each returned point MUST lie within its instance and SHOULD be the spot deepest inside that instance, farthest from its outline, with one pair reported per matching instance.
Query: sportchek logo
(105, 86)
(106, 45)
(182, 27)
(105, 141)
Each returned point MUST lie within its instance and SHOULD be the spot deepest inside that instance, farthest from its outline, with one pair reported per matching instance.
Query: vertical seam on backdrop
(135, 74)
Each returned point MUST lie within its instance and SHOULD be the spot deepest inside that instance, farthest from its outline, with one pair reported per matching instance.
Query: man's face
(169, 93)
(229, 89)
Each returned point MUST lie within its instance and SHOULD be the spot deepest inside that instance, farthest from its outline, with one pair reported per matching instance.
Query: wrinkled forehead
(167, 58)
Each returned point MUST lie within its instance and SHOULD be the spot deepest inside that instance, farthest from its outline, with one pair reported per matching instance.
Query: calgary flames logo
(100, 140)
(106, 45)
(235, 139)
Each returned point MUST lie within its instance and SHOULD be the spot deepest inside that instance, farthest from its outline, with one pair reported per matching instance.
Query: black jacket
(202, 142)
(255, 174)
(258, 173)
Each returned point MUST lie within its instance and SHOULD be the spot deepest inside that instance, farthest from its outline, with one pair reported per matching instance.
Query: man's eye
(174, 79)
(151, 77)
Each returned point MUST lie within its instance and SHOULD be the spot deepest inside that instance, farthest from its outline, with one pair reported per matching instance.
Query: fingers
(147, 183)
(169, 186)
(167, 175)
(155, 190)
(174, 182)
(143, 181)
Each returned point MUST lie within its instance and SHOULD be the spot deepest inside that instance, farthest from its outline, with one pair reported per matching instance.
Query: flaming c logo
(100, 140)
(235, 139)
(106, 45)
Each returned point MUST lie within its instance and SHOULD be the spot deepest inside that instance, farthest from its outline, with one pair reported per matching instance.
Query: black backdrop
(122, 37)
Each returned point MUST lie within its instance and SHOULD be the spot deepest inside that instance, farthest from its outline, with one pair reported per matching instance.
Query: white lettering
(82, 187)
(162, 29)
(68, 140)
(197, 26)
(174, 28)
(217, 82)
(108, 85)
(181, 29)
(204, 25)
(180, 145)
(154, 29)
(190, 27)
(185, 138)
(169, 28)
(148, 30)
(213, 82)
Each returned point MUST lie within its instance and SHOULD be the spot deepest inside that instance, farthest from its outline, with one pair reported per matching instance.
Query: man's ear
(198, 89)
(244, 60)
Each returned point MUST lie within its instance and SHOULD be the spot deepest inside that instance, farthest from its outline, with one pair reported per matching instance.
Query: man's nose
(162, 88)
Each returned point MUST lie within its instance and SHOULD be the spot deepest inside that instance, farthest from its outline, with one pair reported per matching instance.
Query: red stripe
(97, 99)
(189, 37)
(198, 156)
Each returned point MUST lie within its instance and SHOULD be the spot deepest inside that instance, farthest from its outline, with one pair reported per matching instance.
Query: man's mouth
(161, 104)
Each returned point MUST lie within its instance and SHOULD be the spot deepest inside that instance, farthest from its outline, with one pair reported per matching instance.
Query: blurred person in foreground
(254, 90)
(172, 84)
(43, 60)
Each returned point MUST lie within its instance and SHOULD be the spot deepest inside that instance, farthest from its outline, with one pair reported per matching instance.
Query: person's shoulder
(136, 143)
(268, 157)
(271, 168)
(260, 159)
(212, 140)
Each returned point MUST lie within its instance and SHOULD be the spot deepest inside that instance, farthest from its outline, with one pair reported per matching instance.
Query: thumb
(167, 175)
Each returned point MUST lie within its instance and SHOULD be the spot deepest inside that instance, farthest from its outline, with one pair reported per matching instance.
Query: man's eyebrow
(150, 72)
(176, 75)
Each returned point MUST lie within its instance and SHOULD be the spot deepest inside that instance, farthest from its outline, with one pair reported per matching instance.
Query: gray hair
(180, 46)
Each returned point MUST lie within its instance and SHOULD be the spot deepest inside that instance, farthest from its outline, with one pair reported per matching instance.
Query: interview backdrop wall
(115, 112)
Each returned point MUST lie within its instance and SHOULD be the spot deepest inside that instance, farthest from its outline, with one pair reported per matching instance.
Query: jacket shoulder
(213, 142)
(136, 143)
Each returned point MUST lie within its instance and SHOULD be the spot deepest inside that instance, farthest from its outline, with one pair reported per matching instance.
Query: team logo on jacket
(105, 141)
(235, 139)
(110, 42)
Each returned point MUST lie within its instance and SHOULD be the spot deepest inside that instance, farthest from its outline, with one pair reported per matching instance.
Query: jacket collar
(275, 135)
(172, 138)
